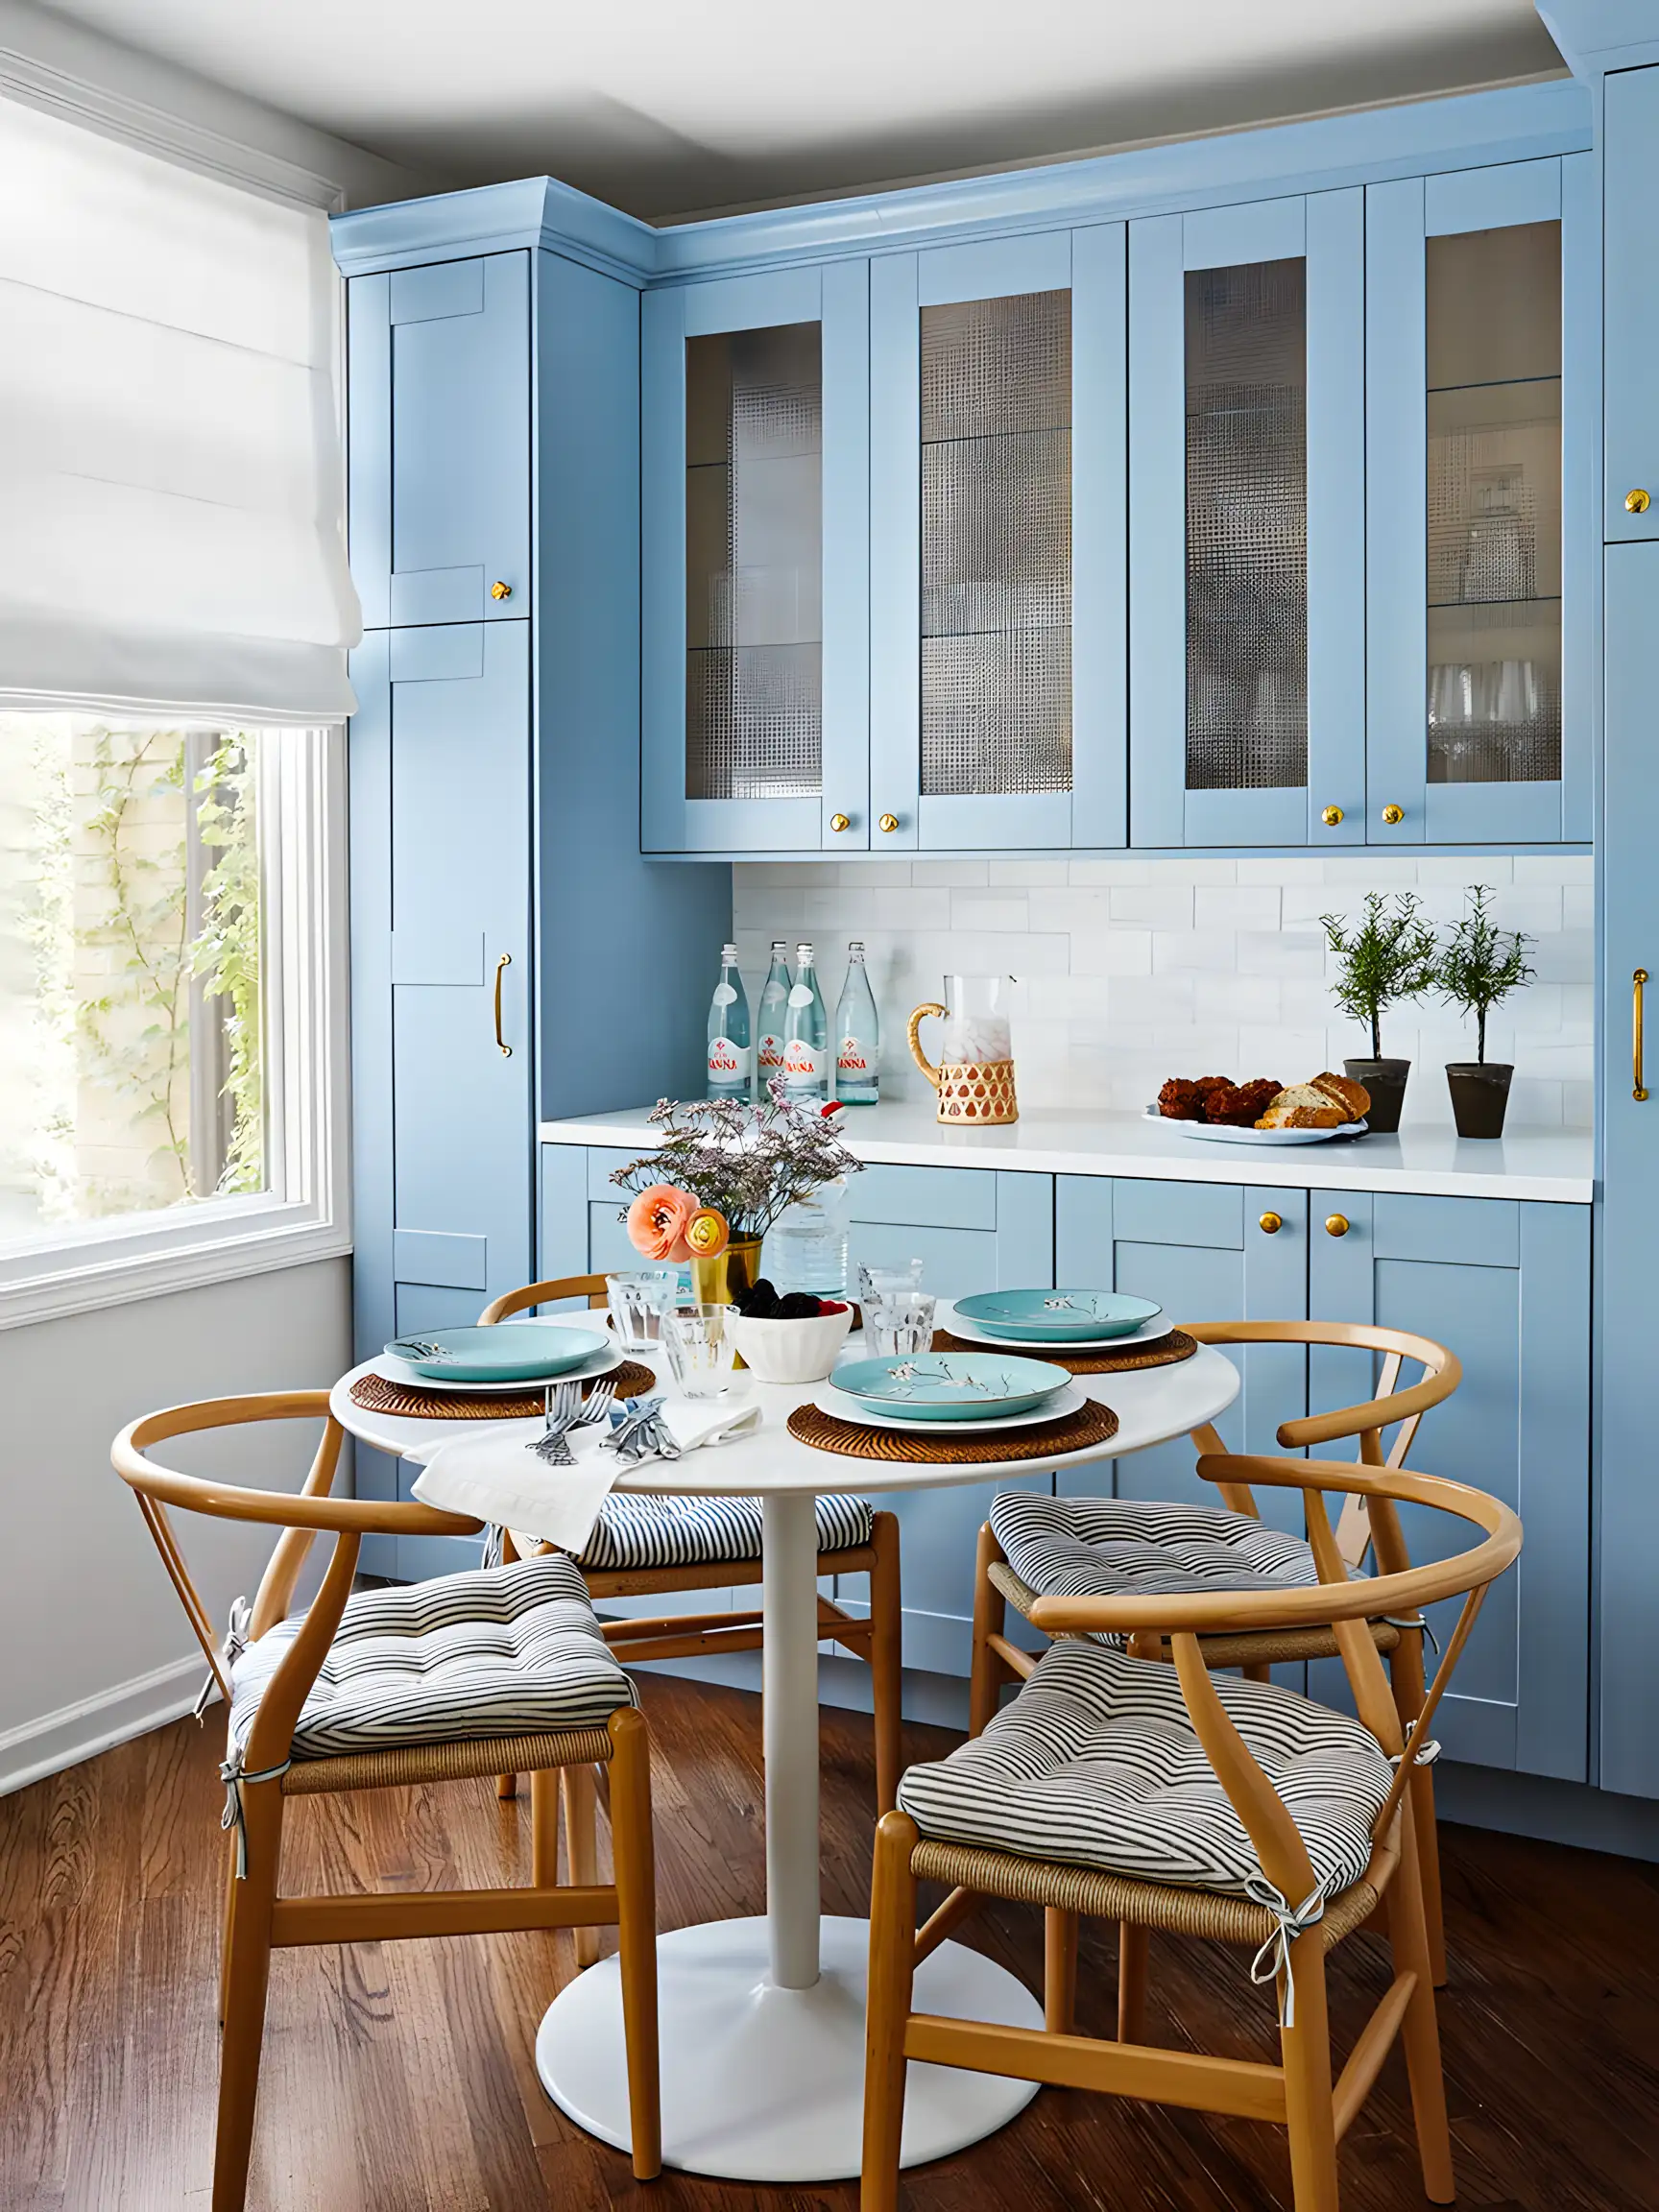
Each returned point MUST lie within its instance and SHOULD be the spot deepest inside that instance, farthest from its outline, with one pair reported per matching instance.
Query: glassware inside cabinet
(997, 545)
(1246, 352)
(1494, 505)
(754, 564)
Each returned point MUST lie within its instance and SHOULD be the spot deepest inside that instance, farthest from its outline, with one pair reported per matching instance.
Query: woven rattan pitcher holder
(975, 1077)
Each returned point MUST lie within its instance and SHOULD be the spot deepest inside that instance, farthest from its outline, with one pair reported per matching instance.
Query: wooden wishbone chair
(267, 1764)
(1365, 1524)
(955, 1818)
(877, 1640)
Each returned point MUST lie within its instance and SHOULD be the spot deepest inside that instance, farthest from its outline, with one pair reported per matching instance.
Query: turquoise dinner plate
(1055, 1316)
(950, 1385)
(495, 1354)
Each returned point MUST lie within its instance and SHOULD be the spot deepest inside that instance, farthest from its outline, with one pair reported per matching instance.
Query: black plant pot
(1385, 1080)
(1479, 1096)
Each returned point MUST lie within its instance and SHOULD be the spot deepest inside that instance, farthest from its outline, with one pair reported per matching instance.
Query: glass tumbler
(899, 1323)
(637, 1303)
(700, 1349)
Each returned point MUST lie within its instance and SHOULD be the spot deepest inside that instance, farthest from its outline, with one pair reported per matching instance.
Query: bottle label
(727, 1063)
(802, 1063)
(725, 995)
(800, 994)
(771, 1054)
(854, 1057)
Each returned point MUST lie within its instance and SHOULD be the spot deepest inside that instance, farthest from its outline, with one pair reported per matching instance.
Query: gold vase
(716, 1281)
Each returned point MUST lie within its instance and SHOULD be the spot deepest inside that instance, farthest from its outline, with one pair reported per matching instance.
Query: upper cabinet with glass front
(1246, 521)
(756, 398)
(996, 543)
(1479, 351)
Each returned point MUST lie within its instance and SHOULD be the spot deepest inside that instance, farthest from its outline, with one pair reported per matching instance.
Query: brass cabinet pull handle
(1637, 502)
(1393, 816)
(1638, 1091)
(1272, 1223)
(1330, 817)
(505, 961)
(1337, 1224)
(840, 822)
(889, 823)
(500, 591)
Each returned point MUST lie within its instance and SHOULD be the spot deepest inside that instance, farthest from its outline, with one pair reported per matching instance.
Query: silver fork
(597, 1406)
(560, 1405)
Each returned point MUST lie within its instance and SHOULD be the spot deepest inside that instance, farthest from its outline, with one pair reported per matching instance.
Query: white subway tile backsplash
(1133, 969)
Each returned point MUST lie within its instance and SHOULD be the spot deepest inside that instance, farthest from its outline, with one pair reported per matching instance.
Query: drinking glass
(700, 1348)
(899, 1324)
(637, 1303)
(875, 1282)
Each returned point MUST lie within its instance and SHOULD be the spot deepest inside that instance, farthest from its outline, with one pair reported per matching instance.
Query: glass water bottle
(774, 1018)
(729, 1056)
(857, 1035)
(806, 1035)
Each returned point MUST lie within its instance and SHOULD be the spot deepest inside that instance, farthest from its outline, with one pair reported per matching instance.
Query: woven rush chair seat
(502, 1652)
(1095, 1763)
(642, 1533)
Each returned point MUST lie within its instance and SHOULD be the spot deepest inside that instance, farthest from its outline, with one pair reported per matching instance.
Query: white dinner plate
(1218, 1133)
(1151, 1331)
(398, 1371)
(1062, 1402)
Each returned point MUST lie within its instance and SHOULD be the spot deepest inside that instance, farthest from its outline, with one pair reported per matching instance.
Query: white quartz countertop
(1553, 1165)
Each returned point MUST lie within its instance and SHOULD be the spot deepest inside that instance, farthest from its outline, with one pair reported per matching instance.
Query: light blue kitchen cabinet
(1630, 178)
(755, 563)
(1206, 1252)
(1481, 368)
(998, 474)
(1246, 552)
(1507, 1284)
(439, 441)
(1628, 1216)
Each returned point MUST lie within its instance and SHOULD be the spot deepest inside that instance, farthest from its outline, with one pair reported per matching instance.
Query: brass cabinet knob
(1337, 1224)
(889, 823)
(1637, 502)
(500, 591)
(1393, 816)
(1272, 1223)
(1330, 817)
(840, 822)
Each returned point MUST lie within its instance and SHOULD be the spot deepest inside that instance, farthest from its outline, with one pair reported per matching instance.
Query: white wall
(95, 1646)
(1133, 970)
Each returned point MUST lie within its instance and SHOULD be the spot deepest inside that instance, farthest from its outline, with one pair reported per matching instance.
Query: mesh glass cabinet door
(755, 575)
(1247, 524)
(1478, 345)
(997, 470)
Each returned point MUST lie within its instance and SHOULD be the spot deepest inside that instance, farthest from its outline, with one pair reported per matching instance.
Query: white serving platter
(1218, 1133)
(1151, 1331)
(1067, 1400)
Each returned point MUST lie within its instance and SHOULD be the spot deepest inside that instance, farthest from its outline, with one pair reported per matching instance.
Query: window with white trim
(175, 614)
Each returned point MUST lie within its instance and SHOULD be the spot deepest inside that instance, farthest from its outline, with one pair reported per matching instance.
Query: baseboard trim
(62, 1739)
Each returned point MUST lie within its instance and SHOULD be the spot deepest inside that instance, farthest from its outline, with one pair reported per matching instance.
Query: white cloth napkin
(489, 1473)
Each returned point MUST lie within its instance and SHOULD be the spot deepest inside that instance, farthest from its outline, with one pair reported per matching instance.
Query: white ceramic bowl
(792, 1351)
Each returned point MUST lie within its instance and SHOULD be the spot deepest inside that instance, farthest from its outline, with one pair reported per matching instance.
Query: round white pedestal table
(762, 2020)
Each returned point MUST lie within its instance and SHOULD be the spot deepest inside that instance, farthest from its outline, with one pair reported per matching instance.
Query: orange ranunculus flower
(707, 1233)
(658, 1221)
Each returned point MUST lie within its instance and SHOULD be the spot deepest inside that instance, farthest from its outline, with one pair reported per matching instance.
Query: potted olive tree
(1388, 955)
(1480, 966)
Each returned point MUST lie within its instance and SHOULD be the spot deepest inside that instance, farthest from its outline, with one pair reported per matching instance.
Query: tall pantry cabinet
(513, 954)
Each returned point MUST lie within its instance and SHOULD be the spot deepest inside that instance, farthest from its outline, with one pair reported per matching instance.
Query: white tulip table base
(765, 2084)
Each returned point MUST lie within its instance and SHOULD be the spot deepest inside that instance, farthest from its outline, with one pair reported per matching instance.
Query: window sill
(147, 1255)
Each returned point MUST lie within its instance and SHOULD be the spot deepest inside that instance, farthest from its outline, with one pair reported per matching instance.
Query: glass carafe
(975, 1077)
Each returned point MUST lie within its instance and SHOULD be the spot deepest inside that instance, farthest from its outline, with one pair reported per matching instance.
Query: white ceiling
(664, 108)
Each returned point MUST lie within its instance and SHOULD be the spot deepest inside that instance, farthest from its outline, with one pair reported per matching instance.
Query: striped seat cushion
(706, 1531)
(497, 1651)
(1118, 1546)
(1096, 1763)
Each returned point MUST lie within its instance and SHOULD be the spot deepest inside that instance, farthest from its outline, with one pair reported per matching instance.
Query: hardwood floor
(398, 2078)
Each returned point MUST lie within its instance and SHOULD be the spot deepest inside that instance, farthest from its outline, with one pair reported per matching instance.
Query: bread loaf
(1302, 1107)
(1353, 1097)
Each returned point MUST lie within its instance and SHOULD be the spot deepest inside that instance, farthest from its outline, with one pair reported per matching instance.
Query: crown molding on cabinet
(1596, 37)
(1517, 123)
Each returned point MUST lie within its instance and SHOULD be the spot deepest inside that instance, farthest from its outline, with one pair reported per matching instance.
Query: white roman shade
(171, 487)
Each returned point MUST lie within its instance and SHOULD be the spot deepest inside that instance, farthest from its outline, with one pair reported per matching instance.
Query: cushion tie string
(1422, 1755)
(235, 1776)
(230, 1651)
(495, 1545)
(1414, 1620)
(1272, 1962)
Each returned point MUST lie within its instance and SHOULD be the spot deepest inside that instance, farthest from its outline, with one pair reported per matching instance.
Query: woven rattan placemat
(1091, 1423)
(376, 1395)
(1165, 1353)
